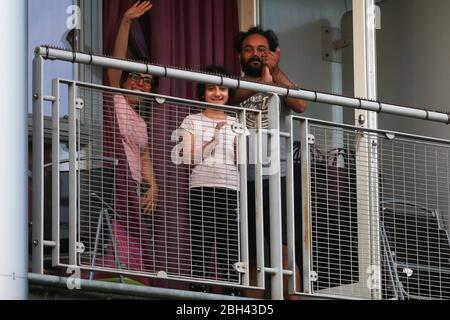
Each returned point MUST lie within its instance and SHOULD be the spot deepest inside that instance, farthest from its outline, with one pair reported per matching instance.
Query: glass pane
(413, 68)
(49, 23)
(306, 30)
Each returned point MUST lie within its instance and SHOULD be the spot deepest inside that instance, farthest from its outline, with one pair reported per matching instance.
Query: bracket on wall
(332, 44)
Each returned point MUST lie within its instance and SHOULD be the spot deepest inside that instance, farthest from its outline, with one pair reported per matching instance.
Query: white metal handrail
(48, 52)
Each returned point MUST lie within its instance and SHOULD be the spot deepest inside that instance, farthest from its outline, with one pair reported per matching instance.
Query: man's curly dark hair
(268, 34)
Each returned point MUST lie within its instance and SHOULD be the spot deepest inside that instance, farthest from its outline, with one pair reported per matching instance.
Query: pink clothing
(133, 131)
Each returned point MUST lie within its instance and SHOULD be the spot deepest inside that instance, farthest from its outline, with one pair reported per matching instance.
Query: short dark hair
(125, 74)
(123, 78)
(215, 70)
(269, 34)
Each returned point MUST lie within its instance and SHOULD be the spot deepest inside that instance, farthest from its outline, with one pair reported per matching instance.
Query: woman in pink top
(136, 193)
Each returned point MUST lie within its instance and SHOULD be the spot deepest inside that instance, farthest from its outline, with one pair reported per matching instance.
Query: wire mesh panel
(405, 252)
(160, 194)
(415, 218)
(336, 255)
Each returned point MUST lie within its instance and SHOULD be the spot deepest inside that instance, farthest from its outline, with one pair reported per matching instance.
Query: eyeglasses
(148, 81)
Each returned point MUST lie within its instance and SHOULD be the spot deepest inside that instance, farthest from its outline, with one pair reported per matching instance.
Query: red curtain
(139, 42)
(185, 34)
(181, 33)
(196, 33)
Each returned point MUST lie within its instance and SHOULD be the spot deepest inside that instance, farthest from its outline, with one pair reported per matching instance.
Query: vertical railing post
(276, 256)
(365, 79)
(260, 259)
(38, 166)
(306, 205)
(56, 202)
(243, 215)
(73, 170)
(290, 207)
(372, 117)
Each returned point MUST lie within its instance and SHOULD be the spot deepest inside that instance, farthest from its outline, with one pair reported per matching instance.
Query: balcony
(367, 211)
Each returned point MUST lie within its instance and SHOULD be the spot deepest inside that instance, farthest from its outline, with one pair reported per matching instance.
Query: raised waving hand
(137, 10)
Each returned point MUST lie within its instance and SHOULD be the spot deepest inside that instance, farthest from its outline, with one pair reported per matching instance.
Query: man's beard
(247, 68)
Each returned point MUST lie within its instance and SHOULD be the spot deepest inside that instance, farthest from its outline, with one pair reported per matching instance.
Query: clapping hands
(271, 60)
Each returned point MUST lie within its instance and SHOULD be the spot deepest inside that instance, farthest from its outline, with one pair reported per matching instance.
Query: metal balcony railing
(398, 248)
(108, 231)
(367, 210)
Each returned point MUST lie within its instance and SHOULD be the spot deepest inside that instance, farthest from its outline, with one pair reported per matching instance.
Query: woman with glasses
(209, 147)
(135, 196)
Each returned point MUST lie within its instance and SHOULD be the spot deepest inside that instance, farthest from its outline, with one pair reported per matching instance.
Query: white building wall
(13, 143)
(413, 62)
(298, 24)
